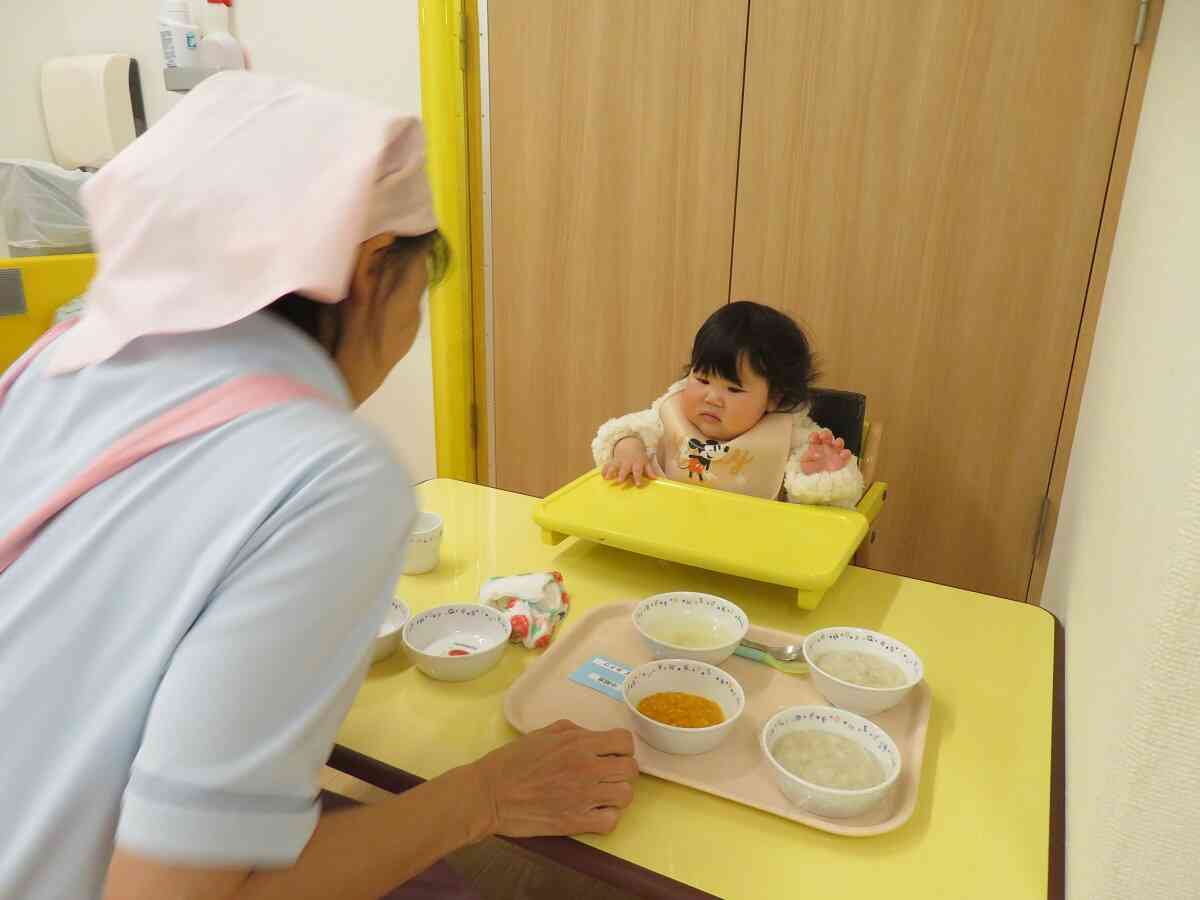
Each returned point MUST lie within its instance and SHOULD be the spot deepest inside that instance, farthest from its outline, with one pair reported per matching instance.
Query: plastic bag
(39, 204)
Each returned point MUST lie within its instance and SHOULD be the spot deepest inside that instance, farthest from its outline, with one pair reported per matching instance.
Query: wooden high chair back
(845, 414)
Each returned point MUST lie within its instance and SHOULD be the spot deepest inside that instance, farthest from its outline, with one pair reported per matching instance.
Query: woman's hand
(631, 461)
(824, 453)
(562, 780)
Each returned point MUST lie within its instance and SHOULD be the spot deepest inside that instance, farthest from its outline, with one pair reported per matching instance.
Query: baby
(739, 421)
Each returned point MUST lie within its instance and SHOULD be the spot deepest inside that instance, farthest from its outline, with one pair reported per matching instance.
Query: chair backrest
(843, 413)
(32, 289)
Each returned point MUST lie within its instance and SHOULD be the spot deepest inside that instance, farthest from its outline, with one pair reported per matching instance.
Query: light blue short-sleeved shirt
(179, 646)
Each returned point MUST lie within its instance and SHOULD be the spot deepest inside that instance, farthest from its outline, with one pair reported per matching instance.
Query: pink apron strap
(202, 413)
(16, 369)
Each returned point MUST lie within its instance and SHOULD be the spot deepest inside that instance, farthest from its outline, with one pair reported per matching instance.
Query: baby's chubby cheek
(691, 411)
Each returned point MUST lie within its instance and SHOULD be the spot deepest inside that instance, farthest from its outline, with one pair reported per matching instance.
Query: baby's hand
(630, 460)
(824, 453)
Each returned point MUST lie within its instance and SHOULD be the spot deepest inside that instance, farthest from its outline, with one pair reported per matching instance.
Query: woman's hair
(312, 316)
(770, 342)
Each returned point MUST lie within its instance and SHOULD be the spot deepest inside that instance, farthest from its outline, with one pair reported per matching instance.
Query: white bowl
(726, 621)
(866, 701)
(833, 803)
(691, 677)
(388, 637)
(476, 635)
(424, 544)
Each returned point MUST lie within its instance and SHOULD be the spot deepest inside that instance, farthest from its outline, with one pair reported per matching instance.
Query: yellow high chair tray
(804, 547)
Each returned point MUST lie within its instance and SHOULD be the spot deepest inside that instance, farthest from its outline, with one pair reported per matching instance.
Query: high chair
(801, 546)
(32, 288)
(845, 414)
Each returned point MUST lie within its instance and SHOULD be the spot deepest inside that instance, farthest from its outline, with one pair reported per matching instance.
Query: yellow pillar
(443, 102)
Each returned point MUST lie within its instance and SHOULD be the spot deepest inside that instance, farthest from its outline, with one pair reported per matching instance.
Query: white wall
(26, 31)
(369, 48)
(1125, 569)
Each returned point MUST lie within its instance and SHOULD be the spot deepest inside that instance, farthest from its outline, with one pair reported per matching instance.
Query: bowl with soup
(690, 625)
(683, 706)
(861, 670)
(830, 762)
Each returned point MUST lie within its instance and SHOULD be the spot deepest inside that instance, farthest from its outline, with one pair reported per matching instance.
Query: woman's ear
(365, 278)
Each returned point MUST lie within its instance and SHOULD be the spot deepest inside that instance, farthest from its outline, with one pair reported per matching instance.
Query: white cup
(424, 544)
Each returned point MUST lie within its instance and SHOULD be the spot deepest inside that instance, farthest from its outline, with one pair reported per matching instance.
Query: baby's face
(722, 410)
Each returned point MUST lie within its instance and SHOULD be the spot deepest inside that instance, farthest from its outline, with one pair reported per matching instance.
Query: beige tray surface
(736, 770)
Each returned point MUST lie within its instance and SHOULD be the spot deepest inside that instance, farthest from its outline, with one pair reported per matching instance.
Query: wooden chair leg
(862, 556)
(868, 464)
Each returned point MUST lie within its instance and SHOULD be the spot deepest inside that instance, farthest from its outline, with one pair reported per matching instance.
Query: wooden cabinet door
(614, 135)
(921, 184)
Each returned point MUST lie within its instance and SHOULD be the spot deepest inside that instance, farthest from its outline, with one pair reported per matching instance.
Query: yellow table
(982, 824)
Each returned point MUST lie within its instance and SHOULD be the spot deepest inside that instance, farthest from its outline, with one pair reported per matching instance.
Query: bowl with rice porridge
(830, 762)
(861, 670)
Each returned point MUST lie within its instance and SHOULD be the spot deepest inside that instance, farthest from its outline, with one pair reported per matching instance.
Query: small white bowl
(727, 621)
(866, 701)
(424, 544)
(833, 803)
(691, 677)
(388, 637)
(475, 635)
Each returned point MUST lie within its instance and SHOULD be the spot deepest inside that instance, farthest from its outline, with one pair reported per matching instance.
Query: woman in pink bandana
(198, 541)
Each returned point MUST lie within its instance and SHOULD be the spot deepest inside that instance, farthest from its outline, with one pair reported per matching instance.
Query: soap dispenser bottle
(180, 38)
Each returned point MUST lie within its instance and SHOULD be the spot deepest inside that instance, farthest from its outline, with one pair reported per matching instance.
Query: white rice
(828, 760)
(863, 669)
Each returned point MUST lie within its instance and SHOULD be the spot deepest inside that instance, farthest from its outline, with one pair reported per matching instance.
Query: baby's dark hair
(772, 344)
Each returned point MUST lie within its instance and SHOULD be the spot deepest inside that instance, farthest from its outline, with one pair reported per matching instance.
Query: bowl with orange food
(683, 706)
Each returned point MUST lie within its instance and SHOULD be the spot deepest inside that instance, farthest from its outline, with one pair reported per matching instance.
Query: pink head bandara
(251, 188)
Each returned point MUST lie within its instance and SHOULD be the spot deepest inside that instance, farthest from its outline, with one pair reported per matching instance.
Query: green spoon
(788, 659)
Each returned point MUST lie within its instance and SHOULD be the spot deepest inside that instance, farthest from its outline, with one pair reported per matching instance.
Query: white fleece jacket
(841, 488)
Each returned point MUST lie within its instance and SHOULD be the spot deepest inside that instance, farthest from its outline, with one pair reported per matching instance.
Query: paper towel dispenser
(93, 107)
